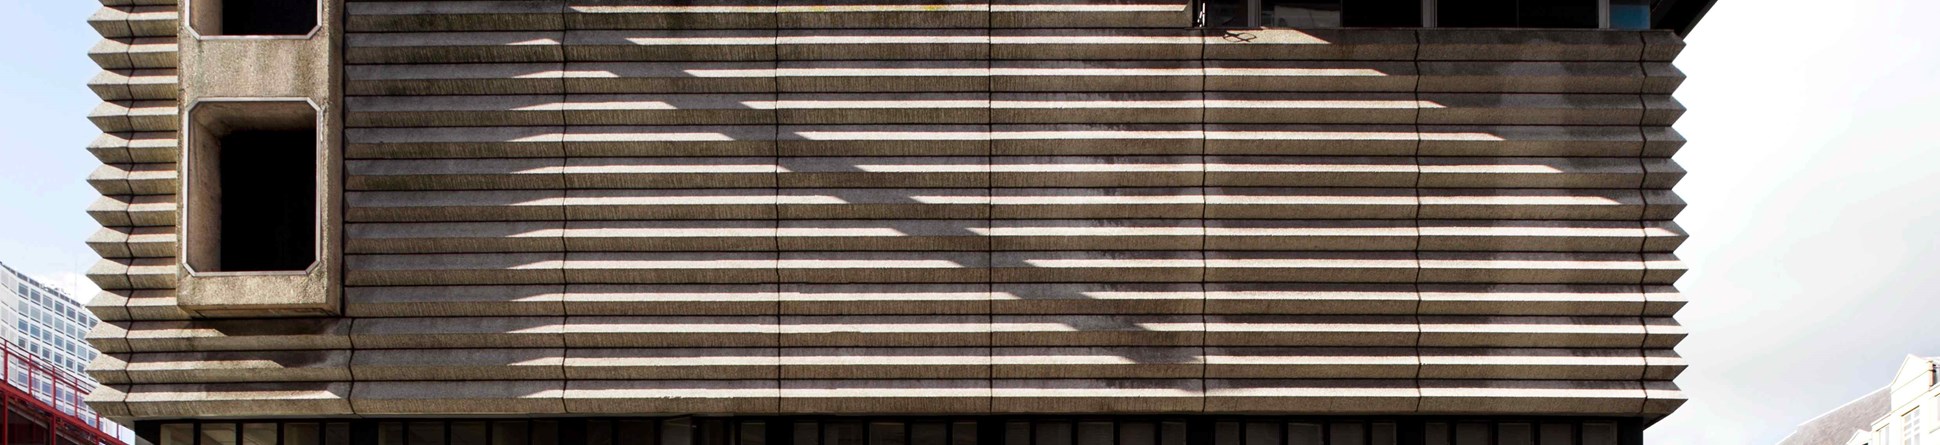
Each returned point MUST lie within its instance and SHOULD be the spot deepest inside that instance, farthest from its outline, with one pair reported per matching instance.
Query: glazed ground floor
(903, 430)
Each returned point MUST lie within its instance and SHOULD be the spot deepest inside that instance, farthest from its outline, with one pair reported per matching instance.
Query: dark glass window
(1558, 14)
(1300, 14)
(1381, 14)
(1630, 14)
(468, 433)
(1476, 13)
(1518, 14)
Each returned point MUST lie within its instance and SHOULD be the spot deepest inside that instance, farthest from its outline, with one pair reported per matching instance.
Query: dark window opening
(1558, 14)
(1382, 14)
(1519, 14)
(269, 199)
(252, 203)
(1476, 13)
(254, 17)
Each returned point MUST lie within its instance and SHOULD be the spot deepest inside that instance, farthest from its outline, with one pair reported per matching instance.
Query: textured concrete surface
(1019, 207)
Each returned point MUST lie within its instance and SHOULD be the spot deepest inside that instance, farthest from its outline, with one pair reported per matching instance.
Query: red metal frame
(34, 388)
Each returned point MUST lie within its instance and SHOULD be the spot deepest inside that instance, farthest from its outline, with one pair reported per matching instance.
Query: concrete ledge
(884, 44)
(1311, 44)
(1312, 330)
(711, 140)
(1097, 330)
(1069, 234)
(1311, 363)
(671, 299)
(1311, 396)
(885, 330)
(458, 332)
(672, 332)
(1096, 298)
(672, 396)
(1097, 267)
(728, 14)
(453, 142)
(885, 299)
(672, 364)
(853, 14)
(1096, 139)
(454, 47)
(1564, 45)
(1522, 396)
(1093, 396)
(1530, 332)
(485, 301)
(1311, 267)
(470, 365)
(239, 399)
(501, 397)
(885, 267)
(1310, 298)
(1130, 362)
(886, 396)
(238, 366)
(455, 78)
(672, 204)
(1311, 76)
(281, 334)
(1082, 14)
(1095, 44)
(886, 363)
(669, 236)
(501, 15)
(885, 140)
(752, 44)
(1531, 364)
(454, 269)
(1526, 299)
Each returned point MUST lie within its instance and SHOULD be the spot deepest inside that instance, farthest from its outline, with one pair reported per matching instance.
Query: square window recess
(252, 186)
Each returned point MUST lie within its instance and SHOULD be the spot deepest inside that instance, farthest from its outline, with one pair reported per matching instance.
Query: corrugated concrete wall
(1008, 207)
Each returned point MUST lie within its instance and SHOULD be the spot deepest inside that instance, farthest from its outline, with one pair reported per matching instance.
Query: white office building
(45, 323)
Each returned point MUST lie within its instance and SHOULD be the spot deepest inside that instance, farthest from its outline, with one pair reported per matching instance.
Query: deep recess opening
(254, 17)
(253, 190)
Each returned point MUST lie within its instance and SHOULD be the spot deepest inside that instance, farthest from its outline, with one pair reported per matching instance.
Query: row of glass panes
(61, 352)
(891, 431)
(1613, 14)
(29, 289)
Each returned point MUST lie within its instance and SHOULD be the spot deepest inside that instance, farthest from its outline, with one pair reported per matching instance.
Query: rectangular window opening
(253, 187)
(253, 17)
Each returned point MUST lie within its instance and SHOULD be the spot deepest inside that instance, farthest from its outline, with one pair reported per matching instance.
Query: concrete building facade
(1018, 222)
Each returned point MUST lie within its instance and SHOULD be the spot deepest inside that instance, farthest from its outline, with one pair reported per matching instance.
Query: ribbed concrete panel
(1018, 206)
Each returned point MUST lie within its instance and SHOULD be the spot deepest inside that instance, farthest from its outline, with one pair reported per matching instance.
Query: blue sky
(1813, 196)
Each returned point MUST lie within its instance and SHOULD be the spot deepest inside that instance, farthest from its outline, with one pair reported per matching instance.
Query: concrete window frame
(196, 129)
(197, 14)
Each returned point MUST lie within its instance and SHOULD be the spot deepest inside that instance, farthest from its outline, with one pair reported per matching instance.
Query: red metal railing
(44, 407)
